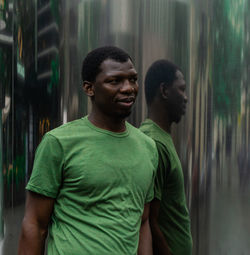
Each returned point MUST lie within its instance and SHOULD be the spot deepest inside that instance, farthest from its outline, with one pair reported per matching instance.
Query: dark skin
(113, 94)
(167, 107)
(169, 103)
(145, 239)
(37, 215)
(160, 244)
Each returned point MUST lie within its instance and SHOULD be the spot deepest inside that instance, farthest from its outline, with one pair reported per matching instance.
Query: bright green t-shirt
(174, 220)
(100, 181)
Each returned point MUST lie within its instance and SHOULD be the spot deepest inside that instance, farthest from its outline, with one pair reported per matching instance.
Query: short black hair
(93, 60)
(161, 71)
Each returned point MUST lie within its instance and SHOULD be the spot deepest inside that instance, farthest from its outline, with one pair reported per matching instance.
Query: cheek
(180, 97)
(107, 93)
(136, 89)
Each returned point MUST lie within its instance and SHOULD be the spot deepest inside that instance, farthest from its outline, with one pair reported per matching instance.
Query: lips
(126, 101)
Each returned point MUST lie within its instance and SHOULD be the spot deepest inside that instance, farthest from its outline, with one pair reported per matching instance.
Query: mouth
(126, 101)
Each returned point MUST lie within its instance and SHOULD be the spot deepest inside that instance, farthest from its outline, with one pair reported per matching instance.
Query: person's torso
(106, 177)
(173, 219)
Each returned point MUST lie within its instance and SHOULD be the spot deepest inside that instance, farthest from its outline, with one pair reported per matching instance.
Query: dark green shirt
(101, 181)
(173, 218)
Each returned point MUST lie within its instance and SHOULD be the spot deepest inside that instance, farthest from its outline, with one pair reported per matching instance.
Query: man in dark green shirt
(92, 179)
(166, 99)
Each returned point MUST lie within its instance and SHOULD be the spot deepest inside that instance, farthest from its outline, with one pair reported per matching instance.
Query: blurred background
(42, 45)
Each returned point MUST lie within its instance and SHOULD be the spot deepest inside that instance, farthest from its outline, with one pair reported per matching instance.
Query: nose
(127, 87)
(185, 98)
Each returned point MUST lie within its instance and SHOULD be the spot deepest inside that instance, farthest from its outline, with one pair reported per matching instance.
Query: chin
(123, 115)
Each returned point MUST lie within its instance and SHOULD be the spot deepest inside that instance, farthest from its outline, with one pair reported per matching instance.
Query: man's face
(115, 89)
(177, 98)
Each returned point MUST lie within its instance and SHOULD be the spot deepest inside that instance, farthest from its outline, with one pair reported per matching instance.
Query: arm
(35, 224)
(145, 239)
(159, 241)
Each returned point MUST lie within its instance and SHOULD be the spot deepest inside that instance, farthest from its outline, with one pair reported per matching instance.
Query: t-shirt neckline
(104, 131)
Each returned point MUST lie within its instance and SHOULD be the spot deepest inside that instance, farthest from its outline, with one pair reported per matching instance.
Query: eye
(183, 88)
(114, 81)
(133, 79)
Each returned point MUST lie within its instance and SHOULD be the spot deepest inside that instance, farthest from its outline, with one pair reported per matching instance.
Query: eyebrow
(123, 75)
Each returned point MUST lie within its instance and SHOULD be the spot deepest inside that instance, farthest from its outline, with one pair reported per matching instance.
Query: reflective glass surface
(42, 45)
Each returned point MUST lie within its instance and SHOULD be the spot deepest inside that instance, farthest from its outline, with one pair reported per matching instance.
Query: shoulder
(141, 135)
(148, 146)
(65, 134)
(147, 126)
(150, 128)
(67, 129)
(145, 143)
(161, 138)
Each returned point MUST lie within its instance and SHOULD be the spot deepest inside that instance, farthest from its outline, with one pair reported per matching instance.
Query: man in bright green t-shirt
(92, 178)
(166, 99)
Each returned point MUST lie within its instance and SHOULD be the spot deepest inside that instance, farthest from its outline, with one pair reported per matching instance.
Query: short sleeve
(162, 171)
(150, 194)
(46, 175)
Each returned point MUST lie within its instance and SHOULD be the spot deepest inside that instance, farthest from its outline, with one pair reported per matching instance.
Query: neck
(160, 116)
(107, 122)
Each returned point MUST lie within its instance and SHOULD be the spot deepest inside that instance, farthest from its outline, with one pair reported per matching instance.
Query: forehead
(179, 78)
(179, 75)
(112, 67)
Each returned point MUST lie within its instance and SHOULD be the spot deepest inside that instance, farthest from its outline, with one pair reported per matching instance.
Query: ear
(88, 88)
(164, 90)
